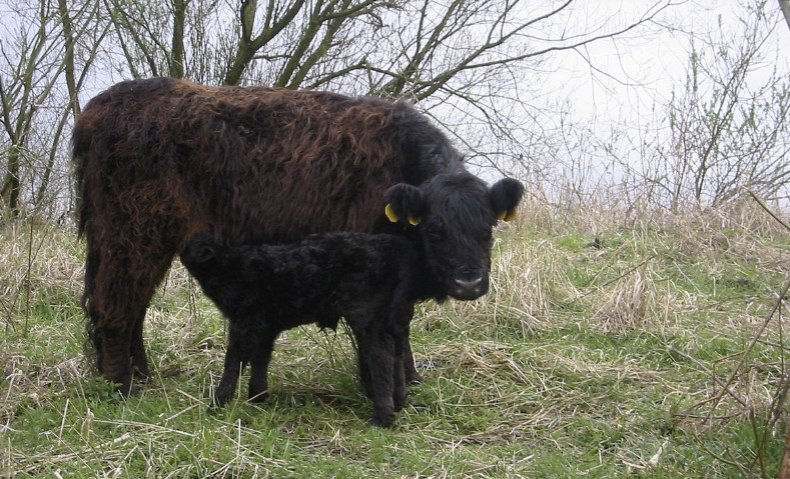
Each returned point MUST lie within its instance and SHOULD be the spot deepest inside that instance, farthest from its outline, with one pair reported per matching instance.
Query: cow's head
(453, 215)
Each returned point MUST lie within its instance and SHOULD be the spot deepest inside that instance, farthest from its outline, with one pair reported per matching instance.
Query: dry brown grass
(618, 353)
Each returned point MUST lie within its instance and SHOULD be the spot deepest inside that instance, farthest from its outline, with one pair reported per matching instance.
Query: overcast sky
(647, 69)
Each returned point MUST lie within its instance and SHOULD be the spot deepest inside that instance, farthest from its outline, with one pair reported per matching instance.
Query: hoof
(383, 421)
(125, 392)
(400, 403)
(220, 400)
(413, 377)
(144, 376)
(124, 387)
(259, 397)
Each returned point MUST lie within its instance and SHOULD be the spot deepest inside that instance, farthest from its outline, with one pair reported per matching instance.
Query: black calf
(371, 280)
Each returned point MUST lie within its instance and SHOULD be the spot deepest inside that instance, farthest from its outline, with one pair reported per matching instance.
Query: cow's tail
(92, 346)
(93, 341)
(80, 143)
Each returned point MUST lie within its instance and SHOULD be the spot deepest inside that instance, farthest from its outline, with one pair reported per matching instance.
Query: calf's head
(200, 249)
(200, 258)
(453, 215)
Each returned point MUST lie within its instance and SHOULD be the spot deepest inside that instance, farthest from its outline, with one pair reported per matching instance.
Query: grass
(602, 350)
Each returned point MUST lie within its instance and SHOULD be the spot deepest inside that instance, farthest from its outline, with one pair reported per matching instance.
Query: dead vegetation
(650, 343)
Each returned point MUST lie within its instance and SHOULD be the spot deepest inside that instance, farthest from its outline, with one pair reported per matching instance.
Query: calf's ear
(201, 251)
(505, 196)
(404, 203)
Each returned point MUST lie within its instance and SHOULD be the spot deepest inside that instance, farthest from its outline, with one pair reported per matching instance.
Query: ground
(611, 344)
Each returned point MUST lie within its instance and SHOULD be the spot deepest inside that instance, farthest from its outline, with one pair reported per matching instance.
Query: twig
(718, 381)
(749, 348)
(631, 270)
(700, 416)
(768, 210)
(28, 282)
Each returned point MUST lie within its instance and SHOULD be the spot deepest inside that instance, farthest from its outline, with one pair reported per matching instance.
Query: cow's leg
(259, 370)
(364, 374)
(139, 358)
(115, 358)
(377, 352)
(89, 307)
(119, 331)
(119, 284)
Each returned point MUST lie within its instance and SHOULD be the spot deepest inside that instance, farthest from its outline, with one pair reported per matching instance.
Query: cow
(372, 280)
(159, 160)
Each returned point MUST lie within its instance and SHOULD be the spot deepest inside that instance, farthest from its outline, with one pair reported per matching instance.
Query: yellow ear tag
(507, 215)
(391, 213)
(414, 221)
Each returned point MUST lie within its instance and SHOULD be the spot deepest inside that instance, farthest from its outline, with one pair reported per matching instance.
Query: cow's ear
(405, 203)
(505, 196)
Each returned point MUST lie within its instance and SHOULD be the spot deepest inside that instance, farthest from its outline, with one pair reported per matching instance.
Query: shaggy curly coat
(159, 160)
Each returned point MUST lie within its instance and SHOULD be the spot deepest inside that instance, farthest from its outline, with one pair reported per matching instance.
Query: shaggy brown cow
(159, 160)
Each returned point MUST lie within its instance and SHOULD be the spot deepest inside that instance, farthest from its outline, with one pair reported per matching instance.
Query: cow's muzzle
(468, 289)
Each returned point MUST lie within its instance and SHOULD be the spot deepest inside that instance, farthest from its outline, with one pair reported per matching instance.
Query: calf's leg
(399, 391)
(234, 363)
(401, 314)
(259, 382)
(377, 353)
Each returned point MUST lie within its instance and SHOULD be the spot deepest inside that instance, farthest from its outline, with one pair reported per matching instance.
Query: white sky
(644, 65)
(647, 69)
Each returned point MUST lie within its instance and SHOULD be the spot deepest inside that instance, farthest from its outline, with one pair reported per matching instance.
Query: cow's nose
(467, 290)
(475, 283)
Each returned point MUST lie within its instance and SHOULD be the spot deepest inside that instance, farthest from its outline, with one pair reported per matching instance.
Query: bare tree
(44, 65)
(461, 59)
(727, 128)
(30, 72)
(784, 5)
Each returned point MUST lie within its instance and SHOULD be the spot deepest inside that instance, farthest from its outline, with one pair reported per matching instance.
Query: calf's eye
(435, 234)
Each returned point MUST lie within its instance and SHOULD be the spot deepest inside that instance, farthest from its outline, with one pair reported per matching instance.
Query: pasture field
(612, 344)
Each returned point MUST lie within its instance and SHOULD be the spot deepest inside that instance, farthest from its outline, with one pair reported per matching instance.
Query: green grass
(583, 361)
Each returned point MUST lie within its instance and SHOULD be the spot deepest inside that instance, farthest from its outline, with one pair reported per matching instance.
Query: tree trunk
(784, 468)
(11, 184)
(785, 6)
(177, 55)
